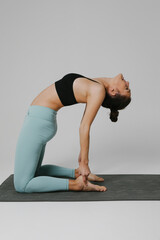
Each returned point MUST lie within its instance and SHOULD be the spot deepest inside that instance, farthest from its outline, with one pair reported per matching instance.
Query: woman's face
(122, 85)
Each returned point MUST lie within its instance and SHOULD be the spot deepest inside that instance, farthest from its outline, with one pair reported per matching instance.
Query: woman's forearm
(84, 144)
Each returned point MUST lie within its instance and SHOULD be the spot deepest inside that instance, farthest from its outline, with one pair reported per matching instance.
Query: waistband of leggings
(42, 112)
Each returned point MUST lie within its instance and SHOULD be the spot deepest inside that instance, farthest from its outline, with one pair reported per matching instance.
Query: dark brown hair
(115, 103)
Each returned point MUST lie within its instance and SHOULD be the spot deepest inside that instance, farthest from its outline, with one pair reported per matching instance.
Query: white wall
(41, 41)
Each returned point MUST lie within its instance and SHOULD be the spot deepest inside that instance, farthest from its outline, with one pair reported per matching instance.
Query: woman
(40, 126)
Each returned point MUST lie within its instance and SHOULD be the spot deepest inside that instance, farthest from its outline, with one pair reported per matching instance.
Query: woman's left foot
(91, 177)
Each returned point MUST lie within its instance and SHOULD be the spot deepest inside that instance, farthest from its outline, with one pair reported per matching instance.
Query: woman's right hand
(84, 170)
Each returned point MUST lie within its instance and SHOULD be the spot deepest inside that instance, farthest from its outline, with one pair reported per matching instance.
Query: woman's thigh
(34, 135)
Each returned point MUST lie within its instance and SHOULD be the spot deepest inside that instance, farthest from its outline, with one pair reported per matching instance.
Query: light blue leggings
(39, 127)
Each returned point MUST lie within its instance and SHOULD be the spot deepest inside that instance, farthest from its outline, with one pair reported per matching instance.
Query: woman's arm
(84, 144)
(94, 101)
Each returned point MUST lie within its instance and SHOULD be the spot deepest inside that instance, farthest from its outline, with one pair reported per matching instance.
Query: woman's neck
(104, 81)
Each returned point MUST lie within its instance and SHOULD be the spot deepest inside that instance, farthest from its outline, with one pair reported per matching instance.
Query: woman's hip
(40, 124)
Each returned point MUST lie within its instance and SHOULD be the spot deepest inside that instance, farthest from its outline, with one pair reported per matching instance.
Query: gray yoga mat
(120, 187)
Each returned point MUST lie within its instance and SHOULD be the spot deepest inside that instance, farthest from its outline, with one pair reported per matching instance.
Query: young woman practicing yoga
(40, 126)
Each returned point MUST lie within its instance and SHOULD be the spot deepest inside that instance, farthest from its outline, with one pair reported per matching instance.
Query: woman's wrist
(84, 162)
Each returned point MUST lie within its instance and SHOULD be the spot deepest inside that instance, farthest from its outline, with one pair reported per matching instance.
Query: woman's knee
(19, 185)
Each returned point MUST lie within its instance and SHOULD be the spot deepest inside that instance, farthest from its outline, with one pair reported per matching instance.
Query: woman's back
(69, 90)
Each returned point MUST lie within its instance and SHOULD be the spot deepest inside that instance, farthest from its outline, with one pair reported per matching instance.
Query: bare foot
(89, 186)
(91, 177)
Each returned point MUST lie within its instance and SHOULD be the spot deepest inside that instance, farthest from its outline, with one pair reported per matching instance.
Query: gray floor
(111, 220)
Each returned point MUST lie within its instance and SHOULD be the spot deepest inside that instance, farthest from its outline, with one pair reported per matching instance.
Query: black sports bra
(64, 88)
